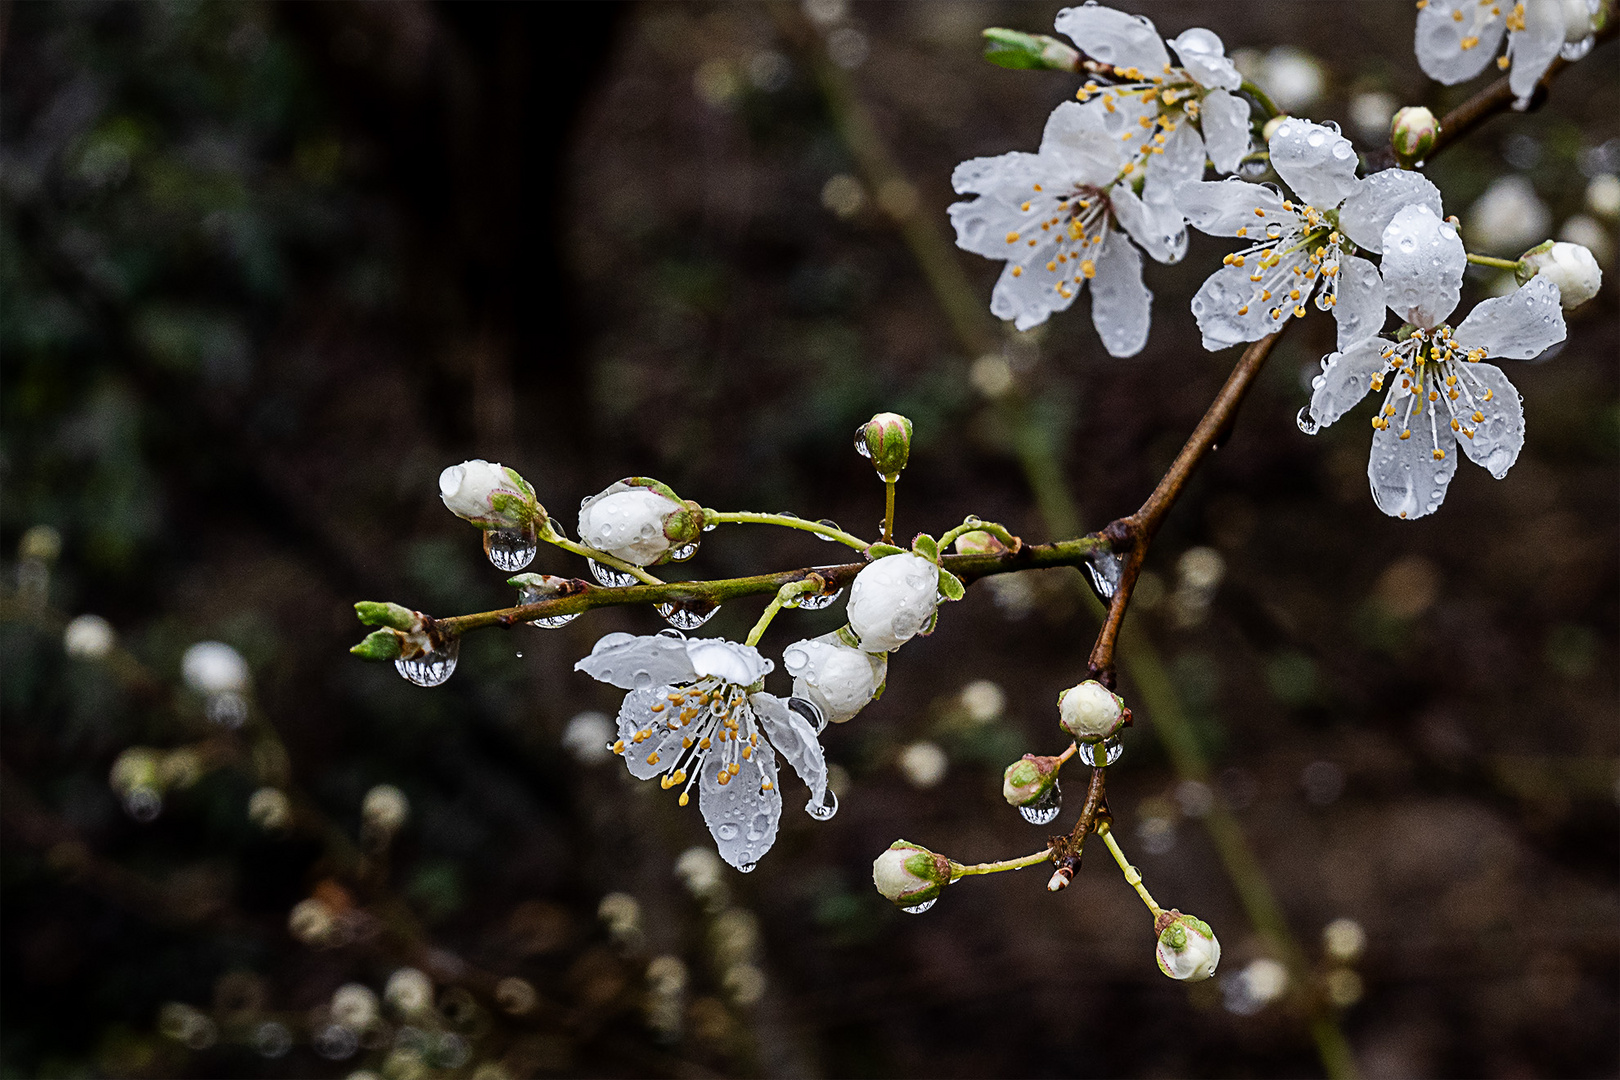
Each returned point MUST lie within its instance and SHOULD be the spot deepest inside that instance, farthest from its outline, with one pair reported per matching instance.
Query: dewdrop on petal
(1091, 712)
(1187, 949)
(892, 600)
(910, 876)
(1571, 267)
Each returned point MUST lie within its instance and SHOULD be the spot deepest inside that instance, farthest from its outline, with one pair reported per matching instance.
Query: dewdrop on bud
(885, 440)
(1091, 712)
(385, 808)
(269, 809)
(910, 876)
(354, 1006)
(1571, 267)
(1412, 133)
(892, 600)
(1187, 949)
(489, 495)
(213, 667)
(640, 521)
(409, 991)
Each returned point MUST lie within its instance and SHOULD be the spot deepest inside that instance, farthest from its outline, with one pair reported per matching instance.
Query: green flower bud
(886, 441)
(979, 543)
(382, 613)
(1026, 781)
(1412, 133)
(909, 875)
(380, 645)
(1187, 949)
(1020, 51)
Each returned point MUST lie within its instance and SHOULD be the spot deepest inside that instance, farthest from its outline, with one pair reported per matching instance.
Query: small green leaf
(379, 613)
(951, 585)
(926, 546)
(878, 551)
(379, 645)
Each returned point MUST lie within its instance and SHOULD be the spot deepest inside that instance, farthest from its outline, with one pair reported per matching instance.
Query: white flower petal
(1358, 306)
(1422, 267)
(1121, 306)
(740, 665)
(1378, 198)
(1229, 309)
(1499, 437)
(636, 715)
(1315, 161)
(1028, 297)
(1347, 379)
(1222, 207)
(634, 662)
(1157, 227)
(1533, 48)
(1519, 326)
(1204, 56)
(983, 175)
(1225, 123)
(1114, 37)
(1440, 35)
(792, 735)
(1081, 144)
(1408, 481)
(742, 816)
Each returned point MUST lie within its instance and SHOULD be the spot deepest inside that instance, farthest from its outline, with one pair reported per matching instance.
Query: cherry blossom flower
(1131, 51)
(694, 716)
(1455, 39)
(1298, 248)
(1438, 395)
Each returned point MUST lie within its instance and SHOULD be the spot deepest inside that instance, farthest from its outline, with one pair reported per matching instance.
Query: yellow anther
(683, 800)
(618, 746)
(1018, 271)
(1293, 294)
(1456, 16)
(1438, 453)
(767, 786)
(1468, 42)
(1265, 294)
(1032, 243)
(657, 708)
(703, 743)
(1288, 204)
(1258, 212)
(1407, 434)
(748, 751)
(652, 758)
(1299, 311)
(1244, 310)
(1479, 418)
(1012, 238)
(1454, 425)
(1063, 292)
(1037, 187)
(1052, 267)
(1502, 64)
(1489, 394)
(724, 777)
(1088, 268)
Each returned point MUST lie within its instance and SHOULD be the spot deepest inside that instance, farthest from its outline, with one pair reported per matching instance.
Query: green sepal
(521, 484)
(1019, 51)
(382, 613)
(527, 580)
(516, 508)
(879, 551)
(950, 585)
(926, 546)
(847, 636)
(379, 645)
(933, 621)
(882, 686)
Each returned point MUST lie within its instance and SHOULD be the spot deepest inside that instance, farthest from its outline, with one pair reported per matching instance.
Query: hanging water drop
(860, 443)
(684, 552)
(813, 715)
(1112, 749)
(432, 668)
(1045, 808)
(826, 808)
(918, 909)
(550, 622)
(1103, 570)
(746, 867)
(614, 579)
(687, 614)
(829, 523)
(817, 601)
(511, 549)
(1307, 423)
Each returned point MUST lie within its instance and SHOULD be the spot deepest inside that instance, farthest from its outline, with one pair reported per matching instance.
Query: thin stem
(958, 870)
(813, 583)
(1487, 260)
(600, 556)
(888, 511)
(1067, 754)
(1133, 876)
(746, 517)
(1261, 98)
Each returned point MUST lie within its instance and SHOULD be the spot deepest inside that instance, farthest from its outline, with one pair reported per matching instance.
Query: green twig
(745, 517)
(600, 556)
(813, 583)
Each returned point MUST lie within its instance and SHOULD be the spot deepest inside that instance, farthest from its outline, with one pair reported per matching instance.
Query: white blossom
(1188, 950)
(488, 494)
(1298, 249)
(692, 717)
(1571, 267)
(1438, 395)
(213, 667)
(628, 522)
(892, 600)
(1456, 39)
(834, 676)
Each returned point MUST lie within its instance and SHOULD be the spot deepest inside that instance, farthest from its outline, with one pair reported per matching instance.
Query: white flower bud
(892, 600)
(409, 991)
(1091, 712)
(213, 667)
(635, 523)
(385, 807)
(88, 637)
(1187, 949)
(1577, 20)
(838, 679)
(923, 764)
(1571, 267)
(1508, 216)
(489, 495)
(354, 1005)
(908, 874)
(269, 808)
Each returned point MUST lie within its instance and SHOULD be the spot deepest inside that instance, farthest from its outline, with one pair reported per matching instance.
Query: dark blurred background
(268, 268)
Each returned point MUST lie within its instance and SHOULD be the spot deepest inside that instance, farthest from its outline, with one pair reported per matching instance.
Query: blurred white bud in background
(923, 764)
(1507, 218)
(89, 637)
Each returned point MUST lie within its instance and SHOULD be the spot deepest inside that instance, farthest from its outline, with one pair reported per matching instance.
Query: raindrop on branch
(687, 614)
(511, 549)
(1112, 749)
(1103, 570)
(1045, 808)
(432, 668)
(918, 909)
(613, 579)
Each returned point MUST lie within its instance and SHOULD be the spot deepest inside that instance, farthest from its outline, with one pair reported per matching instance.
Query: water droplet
(829, 523)
(1113, 748)
(1315, 138)
(433, 668)
(826, 808)
(687, 614)
(1103, 570)
(1307, 423)
(711, 526)
(1408, 244)
(615, 579)
(684, 552)
(1044, 809)
(759, 827)
(670, 632)
(520, 654)
(551, 622)
(812, 715)
(918, 909)
(726, 831)
(1253, 170)
(1342, 151)
(143, 803)
(510, 549)
(746, 867)
(817, 601)
(860, 437)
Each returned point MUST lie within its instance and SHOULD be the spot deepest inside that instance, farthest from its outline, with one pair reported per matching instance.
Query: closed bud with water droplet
(1412, 132)
(1571, 267)
(886, 440)
(1027, 781)
(1091, 712)
(834, 676)
(380, 645)
(640, 521)
(910, 875)
(892, 600)
(490, 495)
(1187, 949)
(979, 542)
